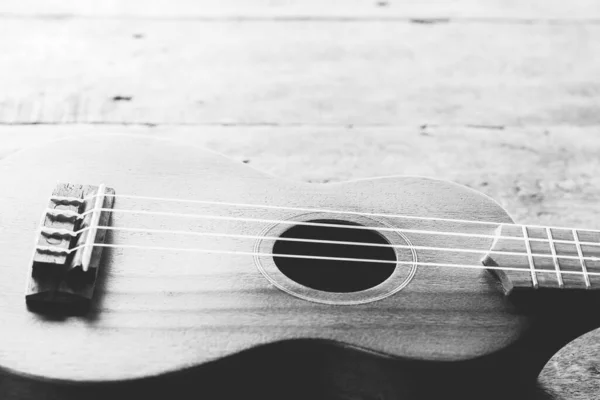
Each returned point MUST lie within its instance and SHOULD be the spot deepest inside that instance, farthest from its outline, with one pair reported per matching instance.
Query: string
(327, 225)
(320, 241)
(317, 210)
(258, 220)
(325, 258)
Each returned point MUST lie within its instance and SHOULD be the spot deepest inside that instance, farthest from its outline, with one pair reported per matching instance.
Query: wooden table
(500, 95)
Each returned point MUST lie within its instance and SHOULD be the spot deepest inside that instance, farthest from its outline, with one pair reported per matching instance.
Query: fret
(587, 236)
(534, 279)
(555, 258)
(543, 258)
(589, 243)
(562, 261)
(586, 277)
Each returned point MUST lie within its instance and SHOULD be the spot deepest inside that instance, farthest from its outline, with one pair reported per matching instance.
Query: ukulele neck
(535, 257)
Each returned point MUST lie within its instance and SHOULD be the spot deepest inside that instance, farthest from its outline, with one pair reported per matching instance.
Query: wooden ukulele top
(155, 312)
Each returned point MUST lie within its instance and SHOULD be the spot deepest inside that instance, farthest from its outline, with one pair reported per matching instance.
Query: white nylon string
(396, 246)
(326, 225)
(317, 210)
(298, 256)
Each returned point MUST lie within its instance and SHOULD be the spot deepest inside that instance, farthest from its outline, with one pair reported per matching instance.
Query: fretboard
(543, 257)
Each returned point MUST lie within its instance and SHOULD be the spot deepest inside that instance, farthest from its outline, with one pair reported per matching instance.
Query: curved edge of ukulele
(313, 369)
(380, 376)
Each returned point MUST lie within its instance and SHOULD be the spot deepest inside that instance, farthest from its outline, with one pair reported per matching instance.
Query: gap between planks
(489, 10)
(298, 73)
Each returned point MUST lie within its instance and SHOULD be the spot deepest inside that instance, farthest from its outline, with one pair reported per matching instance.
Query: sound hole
(334, 275)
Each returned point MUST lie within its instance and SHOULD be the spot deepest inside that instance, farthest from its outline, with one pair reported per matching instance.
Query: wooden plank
(562, 191)
(299, 73)
(352, 9)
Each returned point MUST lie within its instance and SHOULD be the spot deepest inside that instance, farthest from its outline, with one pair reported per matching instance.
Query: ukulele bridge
(65, 260)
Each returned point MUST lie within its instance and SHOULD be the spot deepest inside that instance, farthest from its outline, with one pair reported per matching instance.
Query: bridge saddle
(65, 261)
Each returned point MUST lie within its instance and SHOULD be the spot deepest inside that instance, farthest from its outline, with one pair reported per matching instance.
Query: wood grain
(299, 73)
(338, 9)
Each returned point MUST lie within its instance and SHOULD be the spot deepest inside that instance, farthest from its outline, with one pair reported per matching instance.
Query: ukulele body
(164, 322)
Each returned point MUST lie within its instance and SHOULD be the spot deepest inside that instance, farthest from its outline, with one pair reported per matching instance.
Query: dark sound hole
(331, 275)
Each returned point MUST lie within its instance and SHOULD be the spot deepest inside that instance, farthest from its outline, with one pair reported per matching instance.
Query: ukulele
(141, 268)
